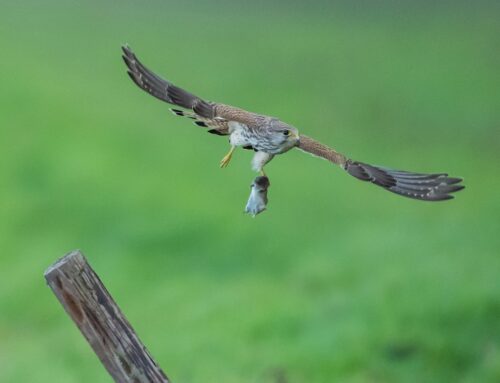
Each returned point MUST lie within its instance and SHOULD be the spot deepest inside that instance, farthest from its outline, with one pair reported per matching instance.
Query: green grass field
(338, 281)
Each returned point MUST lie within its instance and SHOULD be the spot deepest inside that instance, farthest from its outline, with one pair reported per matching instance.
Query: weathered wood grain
(101, 321)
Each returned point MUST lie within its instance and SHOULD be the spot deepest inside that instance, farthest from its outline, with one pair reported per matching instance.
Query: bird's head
(285, 136)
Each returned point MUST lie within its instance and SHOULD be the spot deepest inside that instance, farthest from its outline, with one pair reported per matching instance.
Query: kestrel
(269, 136)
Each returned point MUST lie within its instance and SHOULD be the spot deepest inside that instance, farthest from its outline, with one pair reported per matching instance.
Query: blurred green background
(338, 280)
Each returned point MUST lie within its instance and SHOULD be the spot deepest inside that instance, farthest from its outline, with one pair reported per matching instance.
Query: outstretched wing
(421, 186)
(164, 89)
(211, 114)
(307, 144)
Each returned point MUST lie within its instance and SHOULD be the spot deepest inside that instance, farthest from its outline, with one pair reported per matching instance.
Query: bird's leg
(259, 160)
(225, 161)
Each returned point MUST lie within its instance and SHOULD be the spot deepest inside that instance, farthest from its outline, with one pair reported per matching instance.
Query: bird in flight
(269, 137)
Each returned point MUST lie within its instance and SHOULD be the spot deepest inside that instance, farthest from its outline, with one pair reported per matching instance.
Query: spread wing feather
(164, 89)
(421, 186)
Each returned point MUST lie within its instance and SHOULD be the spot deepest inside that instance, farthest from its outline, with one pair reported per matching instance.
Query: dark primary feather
(163, 89)
(421, 186)
(425, 187)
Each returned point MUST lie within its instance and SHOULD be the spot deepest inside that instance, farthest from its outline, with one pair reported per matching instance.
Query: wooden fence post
(101, 321)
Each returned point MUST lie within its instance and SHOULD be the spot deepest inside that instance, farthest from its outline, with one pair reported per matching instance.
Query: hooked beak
(297, 137)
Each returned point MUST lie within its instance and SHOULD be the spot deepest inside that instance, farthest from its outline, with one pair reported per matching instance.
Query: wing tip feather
(421, 186)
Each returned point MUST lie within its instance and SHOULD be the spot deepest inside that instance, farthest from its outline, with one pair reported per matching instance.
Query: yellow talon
(227, 158)
(262, 173)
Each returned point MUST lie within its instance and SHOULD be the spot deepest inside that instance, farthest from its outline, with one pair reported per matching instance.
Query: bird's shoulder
(250, 119)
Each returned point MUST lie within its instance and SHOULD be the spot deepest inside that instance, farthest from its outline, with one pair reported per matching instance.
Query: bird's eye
(286, 132)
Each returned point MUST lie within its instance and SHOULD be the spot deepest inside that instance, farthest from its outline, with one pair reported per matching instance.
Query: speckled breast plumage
(259, 138)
